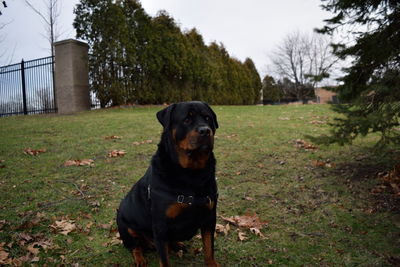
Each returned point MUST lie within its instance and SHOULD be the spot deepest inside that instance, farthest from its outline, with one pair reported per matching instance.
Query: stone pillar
(71, 76)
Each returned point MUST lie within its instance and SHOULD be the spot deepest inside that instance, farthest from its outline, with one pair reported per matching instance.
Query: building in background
(324, 96)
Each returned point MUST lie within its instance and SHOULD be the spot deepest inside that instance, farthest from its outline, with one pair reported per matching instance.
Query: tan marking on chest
(175, 209)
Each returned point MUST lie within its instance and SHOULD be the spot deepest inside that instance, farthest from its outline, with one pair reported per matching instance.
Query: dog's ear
(164, 115)
(214, 116)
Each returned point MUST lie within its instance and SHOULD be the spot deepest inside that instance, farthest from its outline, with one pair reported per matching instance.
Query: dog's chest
(184, 221)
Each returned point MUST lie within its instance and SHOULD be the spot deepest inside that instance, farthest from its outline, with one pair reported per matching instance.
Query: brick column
(71, 76)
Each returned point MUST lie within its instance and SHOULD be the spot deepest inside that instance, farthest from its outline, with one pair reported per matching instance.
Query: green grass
(316, 216)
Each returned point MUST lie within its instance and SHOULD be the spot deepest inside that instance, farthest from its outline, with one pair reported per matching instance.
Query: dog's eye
(207, 118)
(187, 120)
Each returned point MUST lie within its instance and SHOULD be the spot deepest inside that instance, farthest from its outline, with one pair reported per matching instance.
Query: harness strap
(190, 200)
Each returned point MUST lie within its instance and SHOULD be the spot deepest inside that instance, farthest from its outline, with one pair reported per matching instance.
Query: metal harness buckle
(180, 199)
(190, 202)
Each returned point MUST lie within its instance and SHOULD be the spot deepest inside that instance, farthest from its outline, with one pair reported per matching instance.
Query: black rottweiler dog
(178, 194)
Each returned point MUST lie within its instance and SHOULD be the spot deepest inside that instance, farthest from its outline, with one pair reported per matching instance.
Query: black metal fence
(27, 87)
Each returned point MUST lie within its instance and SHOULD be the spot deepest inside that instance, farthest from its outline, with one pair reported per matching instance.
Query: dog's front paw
(140, 261)
(212, 263)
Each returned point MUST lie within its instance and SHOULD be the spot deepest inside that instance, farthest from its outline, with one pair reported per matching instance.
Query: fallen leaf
(116, 153)
(34, 152)
(105, 226)
(317, 122)
(45, 244)
(149, 141)
(77, 162)
(113, 137)
(219, 228)
(31, 248)
(35, 259)
(249, 199)
(319, 163)
(64, 227)
(24, 236)
(390, 182)
(246, 221)
(89, 225)
(257, 232)
(115, 240)
(4, 257)
(305, 145)
(85, 162)
(242, 236)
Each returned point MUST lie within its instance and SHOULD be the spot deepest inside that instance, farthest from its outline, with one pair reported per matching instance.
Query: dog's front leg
(207, 236)
(161, 242)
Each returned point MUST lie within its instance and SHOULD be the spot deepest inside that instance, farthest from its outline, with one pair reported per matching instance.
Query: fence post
(23, 86)
(71, 76)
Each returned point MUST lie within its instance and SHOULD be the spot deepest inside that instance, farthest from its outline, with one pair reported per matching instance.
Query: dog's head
(190, 127)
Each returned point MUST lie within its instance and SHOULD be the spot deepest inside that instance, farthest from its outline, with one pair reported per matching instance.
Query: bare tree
(305, 60)
(7, 54)
(50, 18)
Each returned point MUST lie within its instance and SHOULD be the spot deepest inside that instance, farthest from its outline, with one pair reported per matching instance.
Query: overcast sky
(249, 28)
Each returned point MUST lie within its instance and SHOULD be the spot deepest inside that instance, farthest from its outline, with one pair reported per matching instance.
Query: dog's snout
(204, 131)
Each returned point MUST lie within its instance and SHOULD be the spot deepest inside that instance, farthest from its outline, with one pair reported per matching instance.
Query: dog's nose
(204, 131)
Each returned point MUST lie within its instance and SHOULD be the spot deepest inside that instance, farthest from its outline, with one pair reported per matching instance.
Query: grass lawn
(317, 214)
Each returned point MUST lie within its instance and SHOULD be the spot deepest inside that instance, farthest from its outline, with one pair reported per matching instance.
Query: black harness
(184, 199)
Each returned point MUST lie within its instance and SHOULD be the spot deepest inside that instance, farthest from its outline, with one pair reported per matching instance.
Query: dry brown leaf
(45, 244)
(317, 122)
(64, 227)
(4, 257)
(219, 228)
(249, 198)
(24, 236)
(390, 181)
(320, 163)
(89, 225)
(257, 232)
(34, 152)
(242, 236)
(86, 162)
(35, 259)
(112, 137)
(149, 141)
(105, 226)
(77, 162)
(246, 221)
(116, 153)
(305, 145)
(31, 248)
(115, 240)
